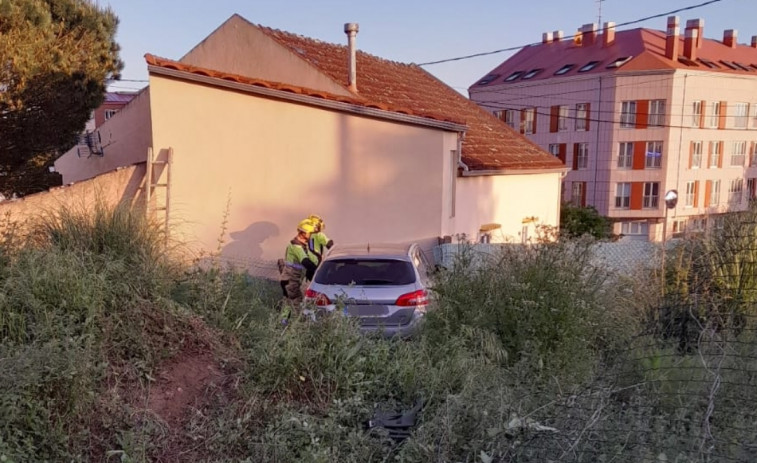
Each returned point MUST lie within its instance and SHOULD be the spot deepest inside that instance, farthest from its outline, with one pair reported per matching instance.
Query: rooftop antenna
(599, 11)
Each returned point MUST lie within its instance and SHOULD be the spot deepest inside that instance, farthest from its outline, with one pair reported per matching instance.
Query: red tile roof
(489, 144)
(645, 46)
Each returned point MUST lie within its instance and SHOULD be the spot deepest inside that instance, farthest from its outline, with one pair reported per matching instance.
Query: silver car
(384, 285)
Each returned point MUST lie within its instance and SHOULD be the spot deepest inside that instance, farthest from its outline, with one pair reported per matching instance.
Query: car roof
(373, 250)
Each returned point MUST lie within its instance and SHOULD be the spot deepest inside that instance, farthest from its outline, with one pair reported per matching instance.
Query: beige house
(263, 127)
(635, 114)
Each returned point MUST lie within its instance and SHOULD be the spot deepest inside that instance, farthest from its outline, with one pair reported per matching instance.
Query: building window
(753, 155)
(634, 228)
(529, 117)
(715, 193)
(554, 149)
(582, 117)
(696, 115)
(625, 155)
(735, 190)
(754, 115)
(696, 224)
(738, 153)
(696, 154)
(588, 66)
(751, 188)
(713, 119)
(740, 115)
(578, 194)
(656, 113)
(715, 154)
(564, 69)
(628, 114)
(654, 155)
(508, 116)
(651, 196)
(562, 119)
(691, 194)
(582, 155)
(623, 195)
(110, 113)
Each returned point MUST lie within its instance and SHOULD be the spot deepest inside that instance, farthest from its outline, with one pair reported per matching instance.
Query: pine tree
(55, 59)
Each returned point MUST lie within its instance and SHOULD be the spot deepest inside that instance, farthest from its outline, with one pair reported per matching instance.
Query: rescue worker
(298, 262)
(319, 243)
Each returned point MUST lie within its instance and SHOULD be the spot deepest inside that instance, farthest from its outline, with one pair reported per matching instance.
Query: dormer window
(743, 67)
(513, 76)
(686, 61)
(708, 63)
(729, 64)
(564, 69)
(619, 62)
(531, 73)
(488, 79)
(588, 66)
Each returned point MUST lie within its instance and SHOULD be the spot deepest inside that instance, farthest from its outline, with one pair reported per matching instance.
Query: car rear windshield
(365, 272)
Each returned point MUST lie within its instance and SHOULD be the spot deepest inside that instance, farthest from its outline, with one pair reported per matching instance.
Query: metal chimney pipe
(351, 30)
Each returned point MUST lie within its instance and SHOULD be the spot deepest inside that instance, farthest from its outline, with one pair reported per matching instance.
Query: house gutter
(480, 173)
(309, 100)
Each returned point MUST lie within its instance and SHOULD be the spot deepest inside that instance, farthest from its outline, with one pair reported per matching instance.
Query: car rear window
(365, 272)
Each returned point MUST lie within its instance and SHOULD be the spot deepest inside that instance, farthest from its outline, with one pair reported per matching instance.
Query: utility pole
(599, 12)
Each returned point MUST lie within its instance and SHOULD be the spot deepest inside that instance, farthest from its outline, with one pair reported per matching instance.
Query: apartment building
(635, 114)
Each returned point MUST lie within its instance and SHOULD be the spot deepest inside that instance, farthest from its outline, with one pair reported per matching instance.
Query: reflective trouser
(291, 282)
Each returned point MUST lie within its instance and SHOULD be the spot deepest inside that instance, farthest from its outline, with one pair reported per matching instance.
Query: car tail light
(415, 299)
(318, 299)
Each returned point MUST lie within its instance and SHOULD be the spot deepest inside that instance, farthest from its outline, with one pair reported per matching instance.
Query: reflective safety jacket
(317, 243)
(298, 261)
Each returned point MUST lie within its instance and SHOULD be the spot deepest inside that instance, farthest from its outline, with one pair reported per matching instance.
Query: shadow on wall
(247, 244)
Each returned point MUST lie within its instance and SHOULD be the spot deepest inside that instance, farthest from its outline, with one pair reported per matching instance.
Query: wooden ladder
(152, 183)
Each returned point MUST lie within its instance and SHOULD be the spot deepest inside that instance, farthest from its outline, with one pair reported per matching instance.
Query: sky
(408, 31)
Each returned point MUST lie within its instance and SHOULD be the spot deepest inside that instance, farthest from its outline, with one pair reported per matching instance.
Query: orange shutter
(750, 153)
(642, 113)
(696, 193)
(637, 191)
(701, 116)
(722, 155)
(639, 155)
(554, 114)
(707, 193)
(562, 152)
(691, 154)
(575, 156)
(709, 154)
(588, 115)
(721, 116)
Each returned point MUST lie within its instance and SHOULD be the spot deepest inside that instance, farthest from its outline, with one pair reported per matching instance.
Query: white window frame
(691, 191)
(656, 113)
(637, 227)
(735, 190)
(753, 155)
(713, 119)
(696, 113)
(653, 162)
(753, 115)
(628, 114)
(651, 195)
(738, 153)
(625, 155)
(582, 161)
(696, 155)
(715, 193)
(577, 191)
(563, 113)
(623, 195)
(714, 154)
(581, 115)
(528, 120)
(511, 119)
(740, 115)
(109, 113)
(554, 149)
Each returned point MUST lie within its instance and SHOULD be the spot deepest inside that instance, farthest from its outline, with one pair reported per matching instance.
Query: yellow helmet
(306, 226)
(317, 221)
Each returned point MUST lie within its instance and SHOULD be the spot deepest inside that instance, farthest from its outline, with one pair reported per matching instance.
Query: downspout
(460, 163)
(596, 156)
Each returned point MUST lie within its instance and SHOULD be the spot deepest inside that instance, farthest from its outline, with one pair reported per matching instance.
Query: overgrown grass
(532, 354)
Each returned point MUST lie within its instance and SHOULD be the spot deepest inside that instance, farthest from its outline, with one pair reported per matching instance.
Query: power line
(502, 50)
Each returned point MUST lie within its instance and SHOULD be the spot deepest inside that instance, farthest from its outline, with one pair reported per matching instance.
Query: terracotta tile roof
(646, 47)
(489, 143)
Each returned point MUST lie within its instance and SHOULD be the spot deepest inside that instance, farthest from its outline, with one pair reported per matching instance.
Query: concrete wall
(247, 169)
(519, 203)
(125, 138)
(112, 188)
